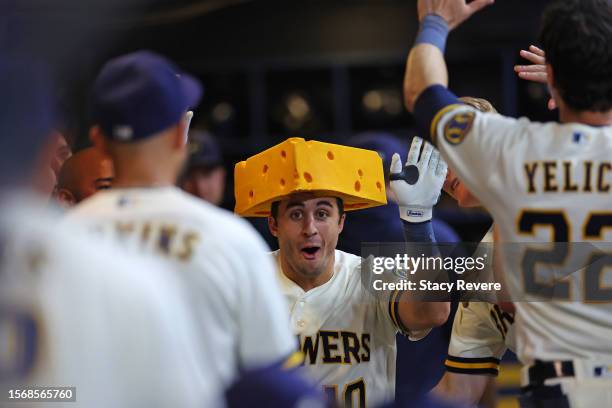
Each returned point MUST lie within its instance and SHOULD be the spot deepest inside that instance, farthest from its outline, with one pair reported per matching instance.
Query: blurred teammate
(54, 152)
(204, 175)
(346, 332)
(82, 175)
(141, 121)
(61, 151)
(68, 304)
(542, 183)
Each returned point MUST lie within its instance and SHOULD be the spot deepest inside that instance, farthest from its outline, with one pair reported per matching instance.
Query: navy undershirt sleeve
(431, 101)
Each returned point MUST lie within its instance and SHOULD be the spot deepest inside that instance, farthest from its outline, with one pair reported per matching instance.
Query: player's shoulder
(455, 122)
(347, 260)
(67, 249)
(233, 232)
(98, 203)
(348, 265)
(173, 203)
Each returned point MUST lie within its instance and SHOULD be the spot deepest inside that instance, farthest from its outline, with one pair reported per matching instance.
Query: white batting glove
(418, 184)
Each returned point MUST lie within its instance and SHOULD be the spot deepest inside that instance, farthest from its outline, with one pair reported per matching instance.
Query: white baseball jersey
(542, 183)
(346, 334)
(227, 274)
(74, 312)
(482, 333)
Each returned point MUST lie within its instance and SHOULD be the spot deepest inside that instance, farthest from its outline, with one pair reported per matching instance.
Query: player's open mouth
(310, 252)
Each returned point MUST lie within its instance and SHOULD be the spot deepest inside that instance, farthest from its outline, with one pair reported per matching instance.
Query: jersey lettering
(165, 239)
(335, 347)
(556, 177)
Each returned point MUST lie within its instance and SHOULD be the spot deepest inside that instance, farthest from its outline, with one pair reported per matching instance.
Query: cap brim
(192, 90)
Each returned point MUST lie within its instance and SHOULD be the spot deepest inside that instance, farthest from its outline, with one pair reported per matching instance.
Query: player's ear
(65, 198)
(273, 226)
(180, 135)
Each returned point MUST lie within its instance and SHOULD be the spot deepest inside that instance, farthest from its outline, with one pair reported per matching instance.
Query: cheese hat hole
(379, 186)
(360, 172)
(307, 177)
(265, 169)
(282, 182)
(330, 155)
(357, 185)
(283, 154)
(251, 194)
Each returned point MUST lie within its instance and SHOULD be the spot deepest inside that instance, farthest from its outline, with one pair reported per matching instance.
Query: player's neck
(586, 117)
(137, 176)
(304, 281)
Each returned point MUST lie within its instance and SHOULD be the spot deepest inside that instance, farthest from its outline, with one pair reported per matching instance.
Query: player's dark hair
(576, 37)
(275, 205)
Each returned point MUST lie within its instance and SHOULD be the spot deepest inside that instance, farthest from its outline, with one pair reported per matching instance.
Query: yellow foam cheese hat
(297, 165)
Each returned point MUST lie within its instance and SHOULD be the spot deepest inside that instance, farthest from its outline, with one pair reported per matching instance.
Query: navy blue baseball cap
(204, 151)
(137, 95)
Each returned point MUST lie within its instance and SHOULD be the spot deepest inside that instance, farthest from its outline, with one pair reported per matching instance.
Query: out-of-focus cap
(137, 95)
(204, 151)
(384, 143)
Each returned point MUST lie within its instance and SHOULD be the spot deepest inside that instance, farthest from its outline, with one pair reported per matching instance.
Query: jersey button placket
(301, 323)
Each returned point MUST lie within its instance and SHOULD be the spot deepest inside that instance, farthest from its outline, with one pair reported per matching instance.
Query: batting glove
(418, 184)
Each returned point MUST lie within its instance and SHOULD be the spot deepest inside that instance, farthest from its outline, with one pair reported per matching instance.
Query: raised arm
(417, 186)
(425, 67)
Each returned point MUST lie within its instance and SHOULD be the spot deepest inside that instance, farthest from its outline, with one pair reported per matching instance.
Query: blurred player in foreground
(141, 121)
(346, 331)
(73, 311)
(82, 175)
(542, 183)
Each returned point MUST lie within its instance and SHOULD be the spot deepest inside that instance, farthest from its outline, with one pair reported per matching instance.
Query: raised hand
(417, 185)
(454, 12)
(535, 72)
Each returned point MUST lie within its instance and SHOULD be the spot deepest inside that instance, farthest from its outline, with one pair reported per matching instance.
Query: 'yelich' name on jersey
(567, 176)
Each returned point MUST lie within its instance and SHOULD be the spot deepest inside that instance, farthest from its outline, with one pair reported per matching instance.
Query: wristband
(415, 214)
(434, 31)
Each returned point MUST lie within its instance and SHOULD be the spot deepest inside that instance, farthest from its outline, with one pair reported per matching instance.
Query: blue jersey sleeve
(431, 104)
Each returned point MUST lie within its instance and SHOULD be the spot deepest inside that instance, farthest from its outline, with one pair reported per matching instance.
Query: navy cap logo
(123, 132)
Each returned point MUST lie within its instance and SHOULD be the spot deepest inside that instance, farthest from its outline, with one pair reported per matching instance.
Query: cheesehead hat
(296, 165)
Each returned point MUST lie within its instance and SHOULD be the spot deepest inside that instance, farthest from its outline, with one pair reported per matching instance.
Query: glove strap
(415, 214)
